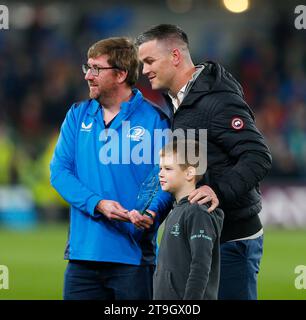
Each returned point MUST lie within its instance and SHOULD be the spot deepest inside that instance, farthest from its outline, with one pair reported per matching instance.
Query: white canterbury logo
(86, 128)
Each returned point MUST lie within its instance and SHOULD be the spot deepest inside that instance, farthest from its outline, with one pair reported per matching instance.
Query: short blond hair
(181, 148)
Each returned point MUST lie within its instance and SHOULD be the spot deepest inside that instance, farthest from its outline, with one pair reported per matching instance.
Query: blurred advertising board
(284, 205)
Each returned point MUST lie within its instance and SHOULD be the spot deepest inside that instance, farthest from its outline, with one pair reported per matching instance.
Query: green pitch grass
(36, 265)
(35, 262)
(283, 251)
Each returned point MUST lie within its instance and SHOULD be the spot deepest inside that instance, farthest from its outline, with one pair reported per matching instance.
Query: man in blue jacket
(104, 166)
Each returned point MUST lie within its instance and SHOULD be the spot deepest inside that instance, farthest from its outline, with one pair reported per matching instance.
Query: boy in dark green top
(188, 264)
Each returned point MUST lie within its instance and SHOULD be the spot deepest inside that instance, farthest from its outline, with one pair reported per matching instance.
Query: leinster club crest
(136, 133)
(175, 230)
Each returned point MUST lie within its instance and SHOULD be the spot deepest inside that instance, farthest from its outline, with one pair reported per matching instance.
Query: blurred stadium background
(40, 78)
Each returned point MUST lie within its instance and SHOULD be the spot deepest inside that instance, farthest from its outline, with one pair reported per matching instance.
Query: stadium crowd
(40, 73)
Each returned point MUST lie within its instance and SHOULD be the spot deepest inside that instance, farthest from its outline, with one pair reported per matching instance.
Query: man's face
(157, 64)
(171, 176)
(102, 84)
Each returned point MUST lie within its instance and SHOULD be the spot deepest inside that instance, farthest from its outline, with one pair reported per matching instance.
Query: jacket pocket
(175, 293)
(163, 288)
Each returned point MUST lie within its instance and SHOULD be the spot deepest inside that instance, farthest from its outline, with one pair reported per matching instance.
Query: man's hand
(113, 210)
(203, 195)
(142, 221)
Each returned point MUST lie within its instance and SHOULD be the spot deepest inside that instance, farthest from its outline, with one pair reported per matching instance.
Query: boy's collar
(182, 201)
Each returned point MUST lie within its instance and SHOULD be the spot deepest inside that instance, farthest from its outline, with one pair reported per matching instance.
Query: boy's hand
(144, 221)
(203, 195)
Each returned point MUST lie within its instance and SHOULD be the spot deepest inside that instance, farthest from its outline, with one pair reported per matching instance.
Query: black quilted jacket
(238, 158)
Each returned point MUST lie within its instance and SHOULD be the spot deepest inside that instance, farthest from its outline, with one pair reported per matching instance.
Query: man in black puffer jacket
(206, 96)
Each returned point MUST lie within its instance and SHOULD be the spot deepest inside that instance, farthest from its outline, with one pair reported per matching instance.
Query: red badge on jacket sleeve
(237, 123)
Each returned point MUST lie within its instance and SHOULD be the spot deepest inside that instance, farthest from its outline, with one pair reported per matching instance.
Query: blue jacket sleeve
(162, 202)
(62, 169)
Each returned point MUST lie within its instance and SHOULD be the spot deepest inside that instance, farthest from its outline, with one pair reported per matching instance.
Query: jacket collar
(200, 86)
(181, 202)
(169, 107)
(126, 107)
(189, 98)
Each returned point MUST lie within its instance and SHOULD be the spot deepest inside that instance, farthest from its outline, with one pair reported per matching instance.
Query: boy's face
(171, 176)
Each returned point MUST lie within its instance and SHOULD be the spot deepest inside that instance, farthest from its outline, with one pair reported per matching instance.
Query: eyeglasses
(94, 70)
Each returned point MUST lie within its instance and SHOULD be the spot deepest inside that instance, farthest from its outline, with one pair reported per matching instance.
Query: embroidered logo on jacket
(136, 133)
(85, 127)
(175, 230)
(237, 123)
(200, 235)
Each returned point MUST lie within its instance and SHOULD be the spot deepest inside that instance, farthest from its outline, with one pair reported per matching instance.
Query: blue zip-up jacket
(91, 163)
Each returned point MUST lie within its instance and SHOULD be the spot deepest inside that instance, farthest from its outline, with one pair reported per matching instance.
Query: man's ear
(176, 56)
(121, 75)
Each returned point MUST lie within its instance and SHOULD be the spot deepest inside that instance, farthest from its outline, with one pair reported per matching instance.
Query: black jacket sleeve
(245, 146)
(201, 235)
